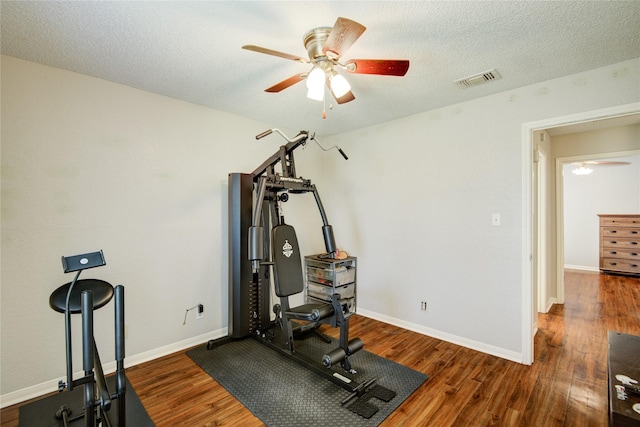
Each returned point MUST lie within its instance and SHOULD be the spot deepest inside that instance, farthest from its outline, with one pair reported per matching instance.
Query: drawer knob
(633, 243)
(613, 252)
(613, 231)
(634, 231)
(634, 265)
(634, 254)
(613, 263)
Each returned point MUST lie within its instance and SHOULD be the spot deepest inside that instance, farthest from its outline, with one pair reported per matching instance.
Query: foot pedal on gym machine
(364, 393)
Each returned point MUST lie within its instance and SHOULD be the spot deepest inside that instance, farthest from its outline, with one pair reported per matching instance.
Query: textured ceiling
(192, 50)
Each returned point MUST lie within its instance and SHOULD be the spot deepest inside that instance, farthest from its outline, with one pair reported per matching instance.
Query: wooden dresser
(620, 244)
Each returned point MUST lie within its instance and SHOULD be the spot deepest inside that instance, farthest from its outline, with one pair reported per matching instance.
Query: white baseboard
(548, 306)
(454, 339)
(46, 387)
(581, 267)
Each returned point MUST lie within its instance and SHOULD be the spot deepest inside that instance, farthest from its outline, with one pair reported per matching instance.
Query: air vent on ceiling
(478, 79)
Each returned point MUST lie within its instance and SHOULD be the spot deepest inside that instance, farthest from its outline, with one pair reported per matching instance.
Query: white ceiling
(192, 50)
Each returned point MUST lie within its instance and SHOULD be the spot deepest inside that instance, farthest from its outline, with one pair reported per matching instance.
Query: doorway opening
(533, 251)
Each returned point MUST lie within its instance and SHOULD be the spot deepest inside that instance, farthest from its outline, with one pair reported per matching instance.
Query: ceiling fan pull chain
(324, 107)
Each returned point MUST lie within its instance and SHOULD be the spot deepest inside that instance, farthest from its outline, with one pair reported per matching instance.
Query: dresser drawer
(620, 231)
(620, 221)
(621, 253)
(622, 265)
(620, 242)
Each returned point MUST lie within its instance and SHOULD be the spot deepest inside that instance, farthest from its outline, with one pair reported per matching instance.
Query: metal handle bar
(302, 134)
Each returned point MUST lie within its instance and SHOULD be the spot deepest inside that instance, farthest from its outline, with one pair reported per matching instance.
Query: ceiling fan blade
(347, 97)
(286, 83)
(343, 35)
(386, 67)
(275, 53)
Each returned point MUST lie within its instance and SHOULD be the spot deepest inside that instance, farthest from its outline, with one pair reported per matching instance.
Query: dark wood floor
(566, 385)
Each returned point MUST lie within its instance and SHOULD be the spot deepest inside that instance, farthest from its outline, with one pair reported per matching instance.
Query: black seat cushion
(102, 294)
(311, 312)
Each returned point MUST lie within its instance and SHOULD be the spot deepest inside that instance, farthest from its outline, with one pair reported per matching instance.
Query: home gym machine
(263, 249)
(84, 296)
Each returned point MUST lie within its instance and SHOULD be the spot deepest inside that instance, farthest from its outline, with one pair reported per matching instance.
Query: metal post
(67, 333)
(240, 272)
(121, 387)
(87, 356)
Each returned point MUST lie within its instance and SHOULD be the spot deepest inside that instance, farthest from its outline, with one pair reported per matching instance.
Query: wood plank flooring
(566, 385)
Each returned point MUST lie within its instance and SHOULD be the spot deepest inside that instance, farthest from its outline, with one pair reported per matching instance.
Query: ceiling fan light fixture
(317, 94)
(339, 85)
(315, 84)
(582, 170)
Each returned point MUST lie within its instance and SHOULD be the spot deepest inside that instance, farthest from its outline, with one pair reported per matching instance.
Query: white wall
(417, 202)
(608, 190)
(88, 164)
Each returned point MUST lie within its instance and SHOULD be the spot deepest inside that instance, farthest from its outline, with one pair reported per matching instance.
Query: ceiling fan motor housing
(315, 40)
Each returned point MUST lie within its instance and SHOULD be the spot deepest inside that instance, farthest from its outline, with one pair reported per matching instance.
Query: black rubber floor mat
(282, 393)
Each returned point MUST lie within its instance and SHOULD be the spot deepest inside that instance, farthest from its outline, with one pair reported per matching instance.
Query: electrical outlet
(423, 305)
(200, 312)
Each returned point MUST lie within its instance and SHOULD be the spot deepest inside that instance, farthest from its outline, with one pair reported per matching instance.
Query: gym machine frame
(253, 212)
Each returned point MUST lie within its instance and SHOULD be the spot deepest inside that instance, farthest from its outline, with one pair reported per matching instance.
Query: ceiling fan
(325, 46)
(582, 168)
